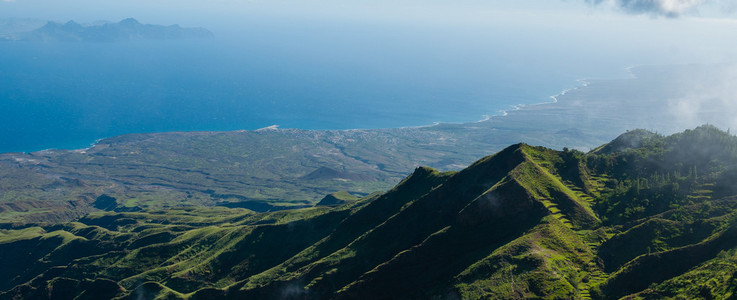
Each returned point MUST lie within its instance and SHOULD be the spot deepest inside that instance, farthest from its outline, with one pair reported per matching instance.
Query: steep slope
(640, 217)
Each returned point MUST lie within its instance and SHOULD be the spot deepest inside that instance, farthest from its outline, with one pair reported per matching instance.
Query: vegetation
(271, 169)
(645, 217)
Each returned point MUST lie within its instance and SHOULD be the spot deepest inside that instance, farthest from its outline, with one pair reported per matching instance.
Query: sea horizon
(69, 95)
(74, 146)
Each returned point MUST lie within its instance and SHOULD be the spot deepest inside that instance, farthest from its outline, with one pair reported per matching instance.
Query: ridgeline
(645, 216)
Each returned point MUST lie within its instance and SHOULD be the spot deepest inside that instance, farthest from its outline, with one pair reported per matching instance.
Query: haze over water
(328, 70)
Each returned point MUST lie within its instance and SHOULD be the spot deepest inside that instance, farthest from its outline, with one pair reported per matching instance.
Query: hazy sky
(541, 46)
(204, 11)
(612, 33)
(626, 32)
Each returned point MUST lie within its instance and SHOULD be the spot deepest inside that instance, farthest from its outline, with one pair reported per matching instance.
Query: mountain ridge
(126, 30)
(527, 222)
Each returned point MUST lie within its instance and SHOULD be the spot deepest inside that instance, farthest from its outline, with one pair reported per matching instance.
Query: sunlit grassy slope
(645, 216)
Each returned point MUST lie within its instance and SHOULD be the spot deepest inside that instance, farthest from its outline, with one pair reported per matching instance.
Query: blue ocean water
(67, 95)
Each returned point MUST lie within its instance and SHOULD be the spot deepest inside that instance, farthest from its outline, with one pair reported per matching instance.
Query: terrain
(126, 30)
(273, 168)
(645, 216)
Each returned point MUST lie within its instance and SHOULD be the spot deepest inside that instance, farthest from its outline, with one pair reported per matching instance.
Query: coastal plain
(645, 216)
(272, 168)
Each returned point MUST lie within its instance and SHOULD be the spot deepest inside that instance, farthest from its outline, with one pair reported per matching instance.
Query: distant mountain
(325, 173)
(337, 198)
(125, 30)
(10, 29)
(643, 217)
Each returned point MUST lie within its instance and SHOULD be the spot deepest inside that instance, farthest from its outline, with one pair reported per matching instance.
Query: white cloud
(711, 99)
(667, 8)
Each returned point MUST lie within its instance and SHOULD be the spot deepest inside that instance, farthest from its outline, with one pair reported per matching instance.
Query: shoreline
(582, 83)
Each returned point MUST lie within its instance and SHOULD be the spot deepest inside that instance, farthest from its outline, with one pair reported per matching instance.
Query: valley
(644, 216)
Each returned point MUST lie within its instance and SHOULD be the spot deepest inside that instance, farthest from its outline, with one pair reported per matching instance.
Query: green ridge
(645, 216)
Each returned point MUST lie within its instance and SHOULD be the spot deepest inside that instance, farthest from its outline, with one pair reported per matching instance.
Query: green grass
(545, 263)
(523, 223)
(9, 236)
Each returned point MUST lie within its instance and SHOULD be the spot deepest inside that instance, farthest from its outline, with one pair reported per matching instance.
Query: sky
(667, 30)
(623, 32)
(591, 38)
(208, 11)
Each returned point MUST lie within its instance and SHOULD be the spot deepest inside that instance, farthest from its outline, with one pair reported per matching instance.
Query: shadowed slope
(527, 222)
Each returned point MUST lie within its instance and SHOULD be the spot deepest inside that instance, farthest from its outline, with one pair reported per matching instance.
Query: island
(126, 30)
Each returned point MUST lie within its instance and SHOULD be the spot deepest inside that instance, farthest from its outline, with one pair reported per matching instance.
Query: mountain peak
(327, 173)
(551, 224)
(337, 198)
(71, 23)
(129, 21)
(631, 139)
(125, 30)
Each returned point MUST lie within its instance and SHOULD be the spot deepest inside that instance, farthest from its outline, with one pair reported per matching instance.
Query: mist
(706, 96)
(276, 62)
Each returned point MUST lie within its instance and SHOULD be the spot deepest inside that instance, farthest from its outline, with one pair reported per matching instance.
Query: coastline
(581, 84)
(274, 163)
(584, 83)
(275, 127)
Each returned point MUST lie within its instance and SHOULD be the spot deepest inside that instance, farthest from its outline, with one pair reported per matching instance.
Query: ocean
(67, 95)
